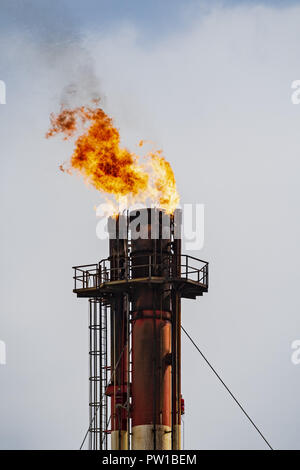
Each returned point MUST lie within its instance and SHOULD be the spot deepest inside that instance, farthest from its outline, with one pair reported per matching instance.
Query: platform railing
(94, 275)
(86, 276)
(190, 269)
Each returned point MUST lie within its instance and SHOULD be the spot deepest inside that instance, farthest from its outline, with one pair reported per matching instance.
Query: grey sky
(212, 88)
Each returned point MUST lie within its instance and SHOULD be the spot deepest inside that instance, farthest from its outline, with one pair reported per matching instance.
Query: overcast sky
(210, 83)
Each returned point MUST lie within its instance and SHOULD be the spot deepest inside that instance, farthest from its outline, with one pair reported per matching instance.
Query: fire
(110, 168)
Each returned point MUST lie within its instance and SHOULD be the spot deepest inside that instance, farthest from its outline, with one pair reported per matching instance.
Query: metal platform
(95, 280)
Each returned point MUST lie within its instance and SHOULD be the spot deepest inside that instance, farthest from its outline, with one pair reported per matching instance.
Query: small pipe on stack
(117, 390)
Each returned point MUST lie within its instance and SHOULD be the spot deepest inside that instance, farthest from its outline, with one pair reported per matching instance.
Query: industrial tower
(135, 303)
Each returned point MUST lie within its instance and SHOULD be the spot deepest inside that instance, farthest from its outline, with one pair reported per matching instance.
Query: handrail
(197, 259)
(92, 275)
(84, 266)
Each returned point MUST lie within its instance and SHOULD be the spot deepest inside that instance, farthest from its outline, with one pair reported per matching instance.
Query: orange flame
(110, 168)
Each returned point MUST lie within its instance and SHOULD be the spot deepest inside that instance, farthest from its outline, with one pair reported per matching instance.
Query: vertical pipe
(128, 373)
(176, 340)
(118, 387)
(105, 377)
(176, 375)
